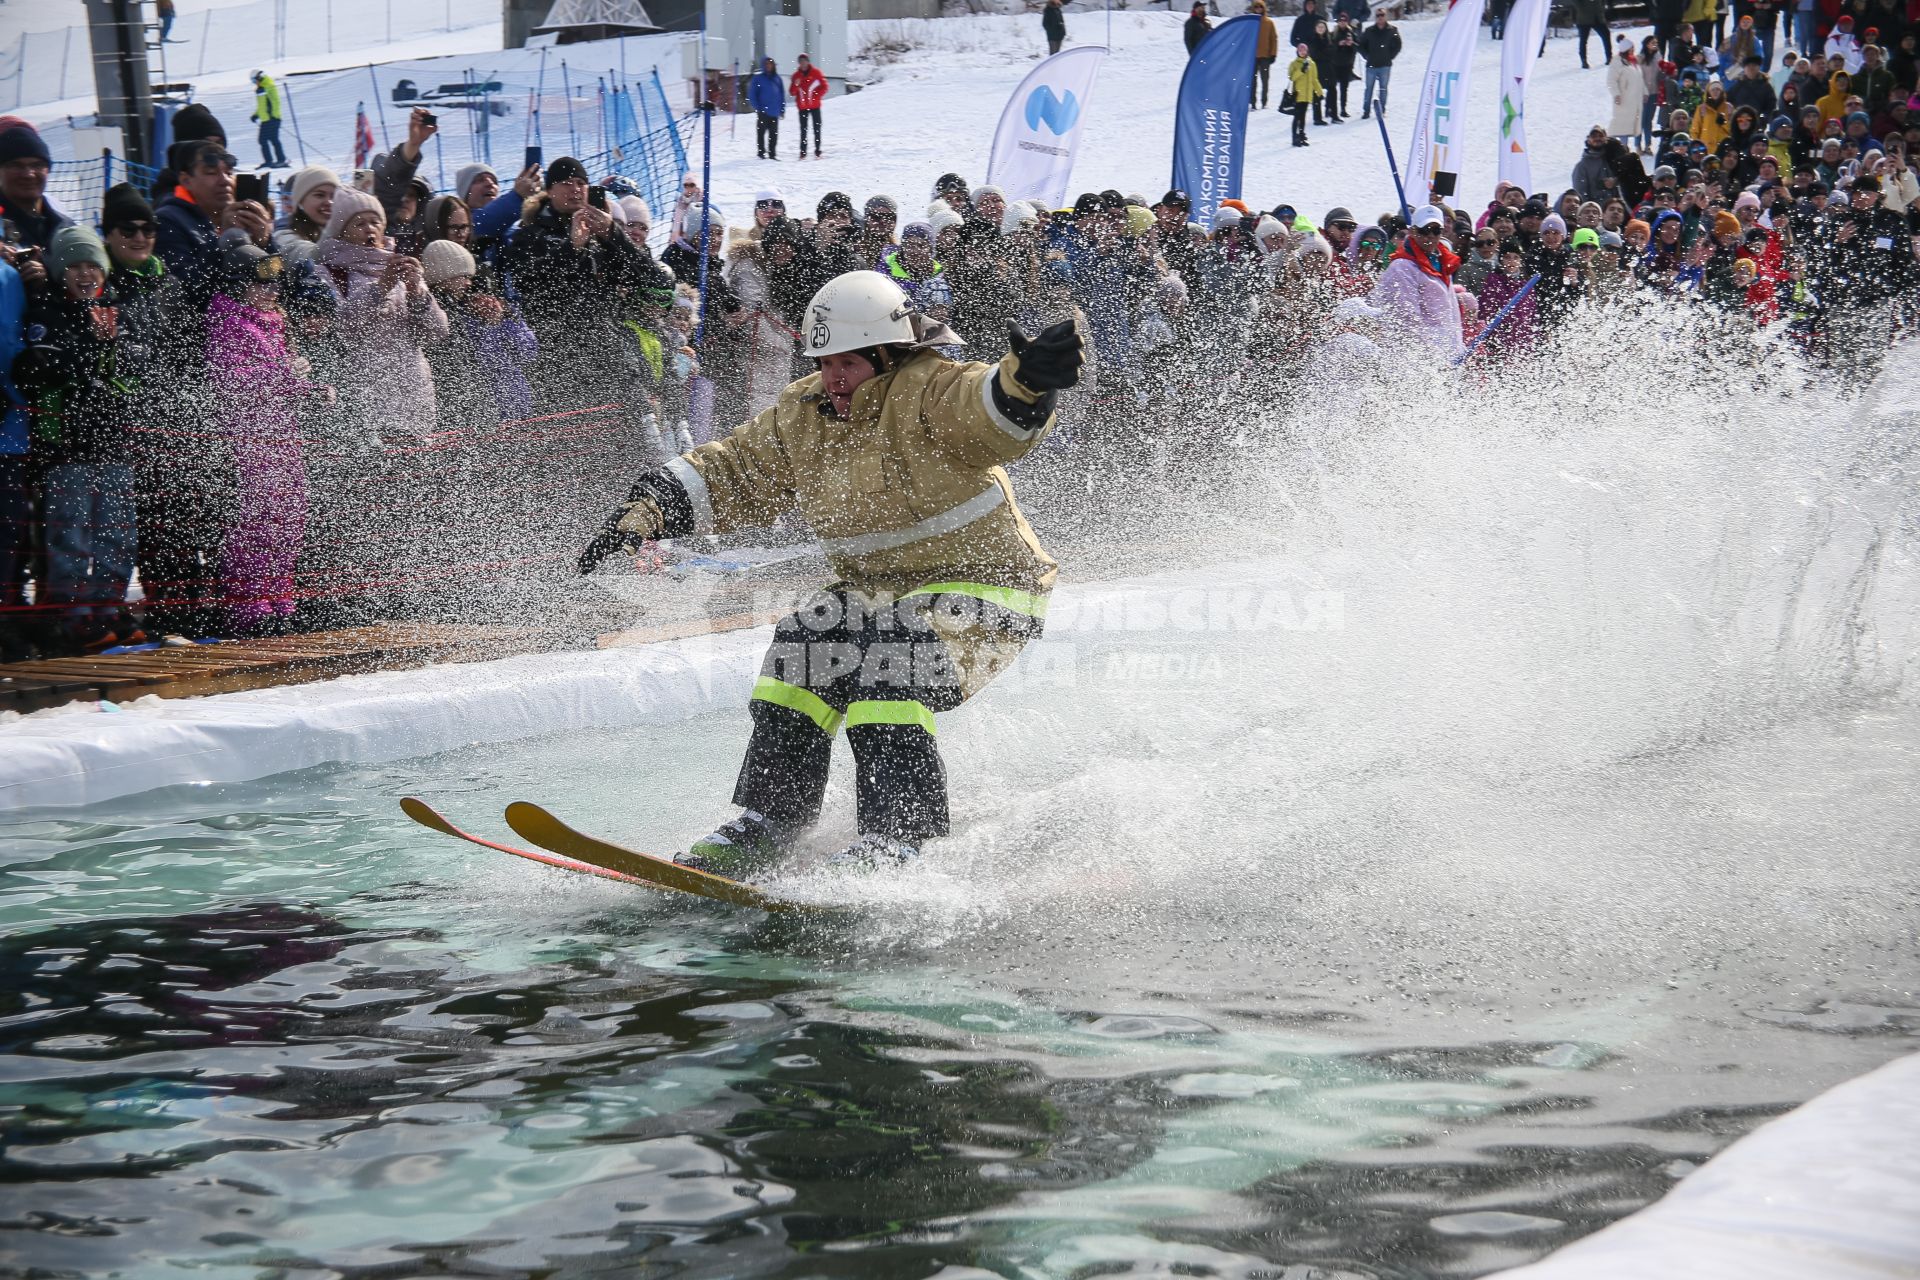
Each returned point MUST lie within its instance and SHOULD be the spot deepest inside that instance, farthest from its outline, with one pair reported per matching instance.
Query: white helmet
(855, 311)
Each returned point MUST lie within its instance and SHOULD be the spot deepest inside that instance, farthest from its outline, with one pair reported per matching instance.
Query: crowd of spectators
(223, 397)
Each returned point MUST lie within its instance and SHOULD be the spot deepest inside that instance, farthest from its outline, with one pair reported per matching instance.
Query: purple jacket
(503, 351)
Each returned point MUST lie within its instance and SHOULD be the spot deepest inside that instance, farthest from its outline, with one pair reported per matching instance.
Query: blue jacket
(766, 95)
(13, 309)
(189, 244)
(497, 220)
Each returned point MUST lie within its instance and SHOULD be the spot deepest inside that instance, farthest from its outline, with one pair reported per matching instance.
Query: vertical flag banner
(1440, 125)
(1210, 116)
(1526, 26)
(1039, 132)
(362, 137)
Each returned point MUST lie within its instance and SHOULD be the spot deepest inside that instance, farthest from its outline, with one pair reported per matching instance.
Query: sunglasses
(1426, 231)
(1489, 241)
(137, 228)
(1345, 226)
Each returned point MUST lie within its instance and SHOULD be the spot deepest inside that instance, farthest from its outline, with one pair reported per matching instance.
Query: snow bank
(81, 759)
(1831, 1189)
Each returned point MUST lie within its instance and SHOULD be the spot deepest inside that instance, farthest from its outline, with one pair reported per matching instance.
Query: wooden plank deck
(258, 664)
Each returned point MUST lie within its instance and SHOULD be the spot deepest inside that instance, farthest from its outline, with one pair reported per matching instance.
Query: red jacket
(809, 89)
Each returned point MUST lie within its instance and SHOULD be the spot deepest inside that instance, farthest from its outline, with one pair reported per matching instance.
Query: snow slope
(934, 107)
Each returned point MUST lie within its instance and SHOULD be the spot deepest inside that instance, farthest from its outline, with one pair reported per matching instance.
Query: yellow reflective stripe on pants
(793, 697)
(1021, 602)
(902, 712)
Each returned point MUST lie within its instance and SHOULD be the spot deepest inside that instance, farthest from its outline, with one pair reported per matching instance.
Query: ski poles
(1380, 117)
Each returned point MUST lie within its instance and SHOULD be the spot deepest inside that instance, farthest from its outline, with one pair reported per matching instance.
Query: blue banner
(1210, 118)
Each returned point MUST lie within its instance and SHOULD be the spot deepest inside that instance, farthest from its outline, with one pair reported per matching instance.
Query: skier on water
(894, 454)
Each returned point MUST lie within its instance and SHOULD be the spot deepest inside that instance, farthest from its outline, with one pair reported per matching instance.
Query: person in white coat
(1629, 89)
(386, 315)
(1415, 292)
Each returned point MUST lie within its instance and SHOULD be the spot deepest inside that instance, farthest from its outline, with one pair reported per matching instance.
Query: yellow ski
(531, 822)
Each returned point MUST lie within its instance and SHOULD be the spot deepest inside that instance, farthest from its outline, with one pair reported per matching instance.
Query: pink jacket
(252, 369)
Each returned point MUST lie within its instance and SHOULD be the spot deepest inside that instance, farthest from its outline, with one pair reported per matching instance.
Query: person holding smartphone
(569, 264)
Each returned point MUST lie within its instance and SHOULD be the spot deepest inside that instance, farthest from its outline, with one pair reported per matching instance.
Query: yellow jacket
(1304, 77)
(908, 490)
(1834, 105)
(1699, 11)
(1710, 124)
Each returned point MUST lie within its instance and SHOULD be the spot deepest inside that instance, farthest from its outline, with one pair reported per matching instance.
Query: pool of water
(275, 1029)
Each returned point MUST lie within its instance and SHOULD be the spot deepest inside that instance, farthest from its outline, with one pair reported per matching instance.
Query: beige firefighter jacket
(907, 491)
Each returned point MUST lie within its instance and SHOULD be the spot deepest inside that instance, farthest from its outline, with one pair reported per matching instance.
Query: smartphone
(251, 186)
(430, 118)
(531, 160)
(597, 197)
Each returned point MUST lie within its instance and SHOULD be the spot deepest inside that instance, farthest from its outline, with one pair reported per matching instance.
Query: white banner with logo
(1440, 126)
(1526, 27)
(1040, 129)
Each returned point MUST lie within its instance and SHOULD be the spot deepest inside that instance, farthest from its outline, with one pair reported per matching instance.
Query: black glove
(612, 537)
(604, 544)
(1050, 362)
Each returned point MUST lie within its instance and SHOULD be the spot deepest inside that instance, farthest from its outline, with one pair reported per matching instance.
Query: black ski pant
(1606, 46)
(809, 113)
(766, 136)
(880, 668)
(1262, 81)
(1300, 120)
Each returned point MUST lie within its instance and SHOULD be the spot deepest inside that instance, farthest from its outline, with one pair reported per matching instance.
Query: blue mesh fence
(76, 186)
(617, 103)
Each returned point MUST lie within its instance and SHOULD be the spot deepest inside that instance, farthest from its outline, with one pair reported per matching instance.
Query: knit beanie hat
(1553, 222)
(348, 202)
(565, 169)
(1641, 223)
(1018, 217)
(124, 204)
(1224, 217)
(444, 260)
(1586, 236)
(1267, 226)
(463, 177)
(942, 218)
(73, 245)
(636, 210)
(22, 143)
(316, 175)
(194, 122)
(690, 220)
(1725, 224)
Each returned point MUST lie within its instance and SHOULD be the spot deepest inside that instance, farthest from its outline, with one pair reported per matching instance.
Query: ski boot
(873, 850)
(745, 847)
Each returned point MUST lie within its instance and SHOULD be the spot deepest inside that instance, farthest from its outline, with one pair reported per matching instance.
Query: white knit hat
(1018, 217)
(310, 177)
(444, 260)
(346, 203)
(942, 218)
(1224, 217)
(636, 210)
